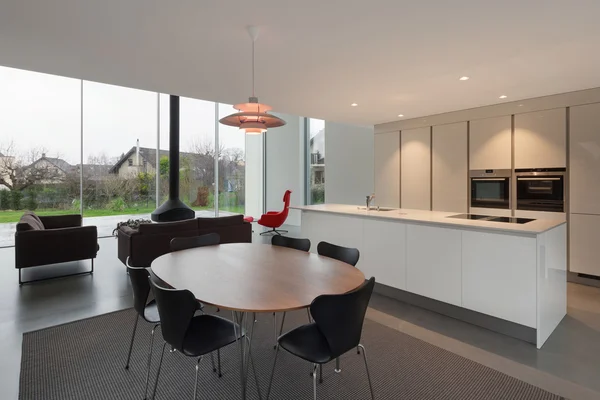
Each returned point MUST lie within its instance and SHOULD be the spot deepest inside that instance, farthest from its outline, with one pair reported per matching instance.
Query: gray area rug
(85, 360)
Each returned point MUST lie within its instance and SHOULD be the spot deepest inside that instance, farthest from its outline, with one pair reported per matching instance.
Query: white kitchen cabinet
(449, 168)
(387, 169)
(415, 169)
(383, 254)
(435, 274)
(541, 139)
(499, 275)
(584, 159)
(490, 143)
(332, 228)
(584, 254)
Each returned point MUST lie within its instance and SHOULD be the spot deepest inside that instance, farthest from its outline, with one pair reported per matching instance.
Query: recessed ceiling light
(353, 104)
(503, 96)
(520, 105)
(463, 78)
(401, 115)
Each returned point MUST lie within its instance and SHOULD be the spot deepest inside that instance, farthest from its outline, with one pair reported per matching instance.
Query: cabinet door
(584, 254)
(541, 139)
(415, 168)
(433, 263)
(490, 143)
(499, 276)
(584, 159)
(449, 161)
(387, 169)
(383, 254)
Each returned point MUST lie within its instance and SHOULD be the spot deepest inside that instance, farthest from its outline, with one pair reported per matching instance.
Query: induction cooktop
(480, 217)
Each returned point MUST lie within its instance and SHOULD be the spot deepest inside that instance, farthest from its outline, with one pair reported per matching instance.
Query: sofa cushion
(167, 227)
(34, 222)
(204, 223)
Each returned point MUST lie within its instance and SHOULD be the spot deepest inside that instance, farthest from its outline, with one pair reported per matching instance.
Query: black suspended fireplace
(173, 209)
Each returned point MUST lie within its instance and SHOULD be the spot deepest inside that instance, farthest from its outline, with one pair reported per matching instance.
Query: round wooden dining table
(249, 278)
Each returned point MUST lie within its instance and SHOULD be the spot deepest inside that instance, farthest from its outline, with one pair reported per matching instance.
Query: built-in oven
(490, 188)
(541, 189)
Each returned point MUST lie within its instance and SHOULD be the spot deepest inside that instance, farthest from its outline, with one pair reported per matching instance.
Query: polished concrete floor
(568, 364)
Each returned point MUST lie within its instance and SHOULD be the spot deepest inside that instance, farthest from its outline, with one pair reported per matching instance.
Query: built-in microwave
(490, 188)
(541, 189)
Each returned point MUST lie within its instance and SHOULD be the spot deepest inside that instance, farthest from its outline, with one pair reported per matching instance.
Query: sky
(43, 112)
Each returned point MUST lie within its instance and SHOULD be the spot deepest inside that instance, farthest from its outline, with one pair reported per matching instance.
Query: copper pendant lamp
(253, 117)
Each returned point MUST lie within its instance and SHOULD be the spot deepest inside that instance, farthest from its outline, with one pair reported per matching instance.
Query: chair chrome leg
(275, 330)
(212, 361)
(219, 362)
(315, 366)
(273, 371)
(367, 367)
(308, 313)
(137, 317)
(320, 373)
(150, 359)
(162, 354)
(337, 366)
(196, 380)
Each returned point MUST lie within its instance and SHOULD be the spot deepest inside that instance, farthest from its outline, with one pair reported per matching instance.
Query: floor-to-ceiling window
(316, 161)
(40, 141)
(73, 146)
(232, 165)
(119, 150)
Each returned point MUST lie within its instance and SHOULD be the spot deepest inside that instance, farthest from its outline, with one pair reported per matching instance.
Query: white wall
(349, 163)
(254, 175)
(285, 166)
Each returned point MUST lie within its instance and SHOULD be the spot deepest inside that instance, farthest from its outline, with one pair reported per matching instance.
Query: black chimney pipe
(174, 148)
(173, 209)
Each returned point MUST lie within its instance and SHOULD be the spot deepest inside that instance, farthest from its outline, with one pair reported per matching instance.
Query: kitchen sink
(378, 209)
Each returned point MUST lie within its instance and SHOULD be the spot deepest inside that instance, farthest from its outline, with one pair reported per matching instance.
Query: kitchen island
(506, 276)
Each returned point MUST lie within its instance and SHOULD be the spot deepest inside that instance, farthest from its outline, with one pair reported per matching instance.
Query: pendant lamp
(253, 117)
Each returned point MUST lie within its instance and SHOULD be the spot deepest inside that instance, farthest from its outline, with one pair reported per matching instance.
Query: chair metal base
(314, 374)
(22, 282)
(274, 231)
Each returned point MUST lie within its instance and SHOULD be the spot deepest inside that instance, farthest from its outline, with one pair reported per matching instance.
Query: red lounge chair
(274, 219)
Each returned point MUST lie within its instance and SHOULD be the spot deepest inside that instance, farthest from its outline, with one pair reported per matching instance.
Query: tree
(20, 171)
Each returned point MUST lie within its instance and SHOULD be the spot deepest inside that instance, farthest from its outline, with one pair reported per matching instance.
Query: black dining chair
(296, 244)
(184, 243)
(191, 335)
(144, 308)
(348, 255)
(192, 242)
(338, 321)
(290, 242)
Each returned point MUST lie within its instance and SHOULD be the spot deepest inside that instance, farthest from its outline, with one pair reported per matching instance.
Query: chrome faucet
(369, 200)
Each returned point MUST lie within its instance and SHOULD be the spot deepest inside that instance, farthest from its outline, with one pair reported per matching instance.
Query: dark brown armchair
(49, 240)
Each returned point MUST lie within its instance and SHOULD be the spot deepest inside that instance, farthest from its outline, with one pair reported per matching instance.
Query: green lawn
(14, 216)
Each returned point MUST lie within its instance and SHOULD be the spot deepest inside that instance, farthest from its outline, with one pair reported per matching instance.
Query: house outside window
(130, 162)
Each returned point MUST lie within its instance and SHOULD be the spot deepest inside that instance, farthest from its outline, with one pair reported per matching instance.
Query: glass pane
(39, 146)
(119, 127)
(316, 174)
(232, 166)
(196, 153)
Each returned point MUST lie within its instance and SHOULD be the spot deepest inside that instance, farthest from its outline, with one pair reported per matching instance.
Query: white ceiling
(316, 57)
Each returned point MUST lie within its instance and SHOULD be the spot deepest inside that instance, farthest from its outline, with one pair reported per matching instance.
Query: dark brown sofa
(56, 239)
(153, 240)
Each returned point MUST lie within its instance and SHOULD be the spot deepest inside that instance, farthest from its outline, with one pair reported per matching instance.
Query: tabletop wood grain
(256, 277)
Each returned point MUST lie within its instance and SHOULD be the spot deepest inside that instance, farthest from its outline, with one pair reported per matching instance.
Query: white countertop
(435, 217)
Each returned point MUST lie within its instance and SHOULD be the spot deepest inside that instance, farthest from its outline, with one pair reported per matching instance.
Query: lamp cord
(253, 68)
